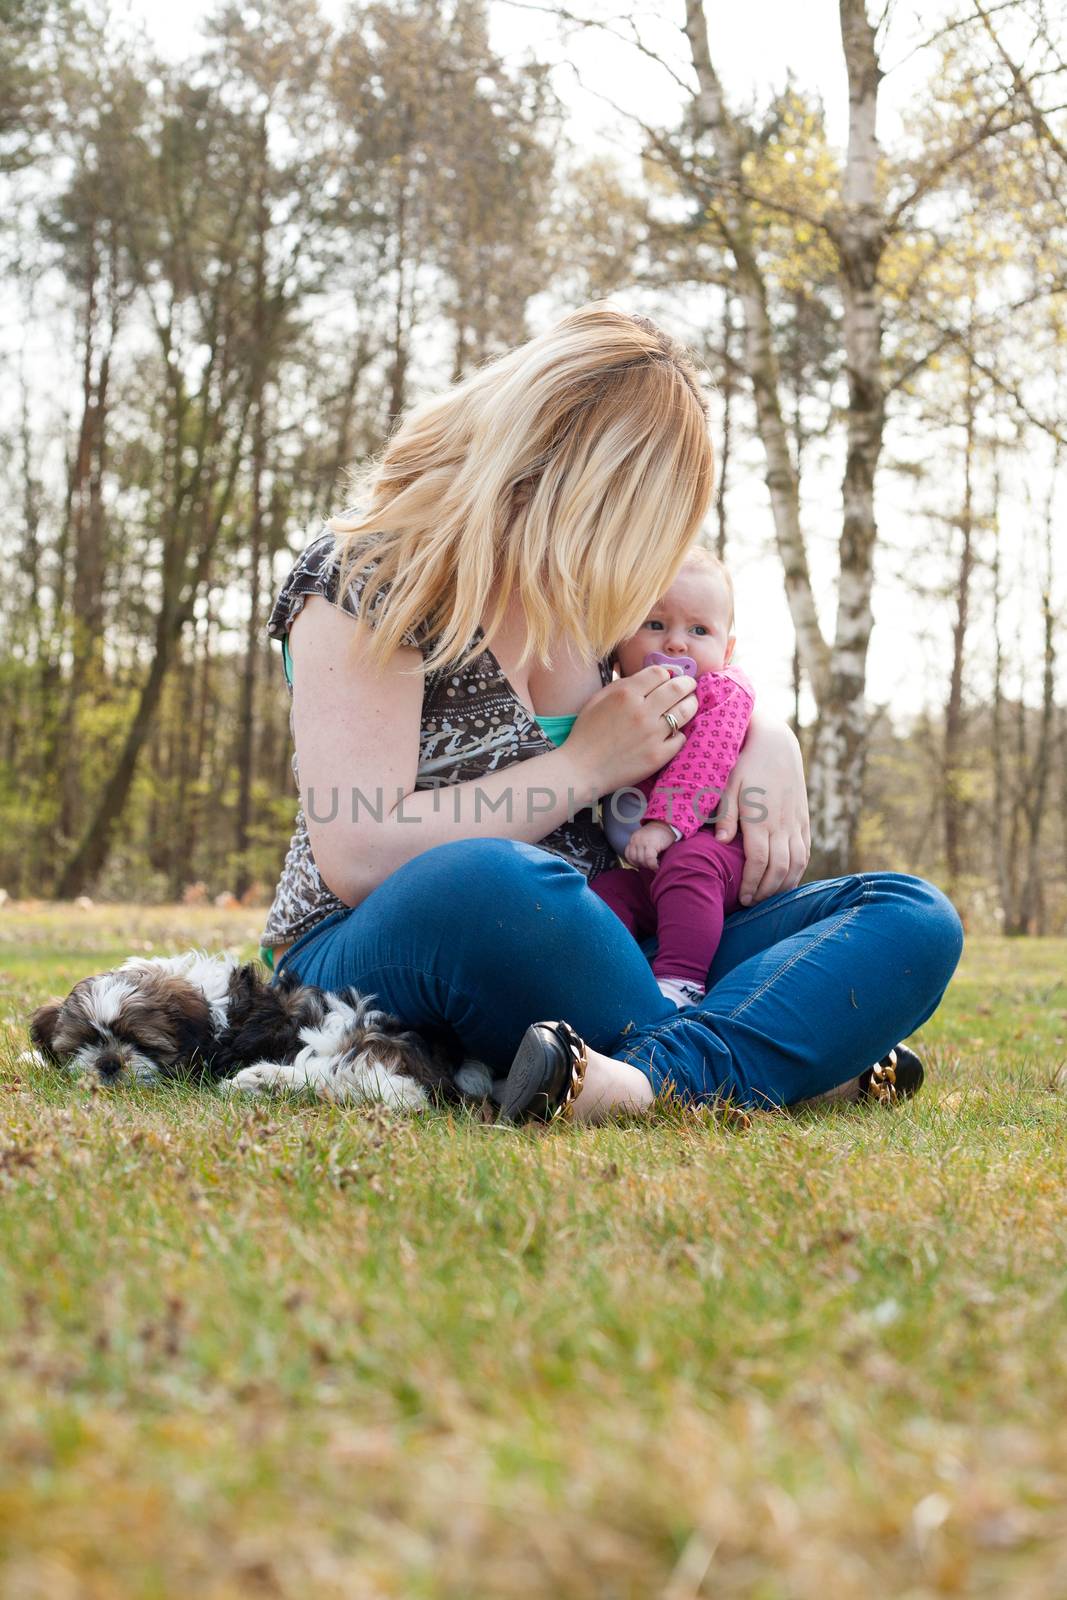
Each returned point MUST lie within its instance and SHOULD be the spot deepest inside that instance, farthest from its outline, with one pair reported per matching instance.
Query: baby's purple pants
(683, 902)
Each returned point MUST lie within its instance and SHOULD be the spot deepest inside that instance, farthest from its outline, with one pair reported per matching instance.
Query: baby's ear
(731, 641)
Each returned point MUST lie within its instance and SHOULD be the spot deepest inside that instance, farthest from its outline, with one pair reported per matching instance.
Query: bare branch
(1038, 117)
(1041, 423)
(768, 202)
(563, 15)
(639, 44)
(950, 336)
(943, 33)
(986, 130)
(709, 189)
(734, 219)
(957, 336)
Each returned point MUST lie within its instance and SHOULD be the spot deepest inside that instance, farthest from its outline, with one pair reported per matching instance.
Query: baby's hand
(647, 844)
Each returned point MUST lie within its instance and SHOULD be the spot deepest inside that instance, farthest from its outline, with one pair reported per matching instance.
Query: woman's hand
(767, 794)
(620, 735)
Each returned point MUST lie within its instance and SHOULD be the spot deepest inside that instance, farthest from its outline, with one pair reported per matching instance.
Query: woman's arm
(767, 793)
(357, 746)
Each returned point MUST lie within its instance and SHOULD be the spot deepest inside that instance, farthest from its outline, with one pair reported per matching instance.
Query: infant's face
(691, 619)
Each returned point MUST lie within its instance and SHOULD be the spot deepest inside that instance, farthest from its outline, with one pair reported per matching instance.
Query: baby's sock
(683, 991)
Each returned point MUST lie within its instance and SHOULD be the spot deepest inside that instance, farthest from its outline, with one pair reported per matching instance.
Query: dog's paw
(260, 1079)
(32, 1058)
(474, 1080)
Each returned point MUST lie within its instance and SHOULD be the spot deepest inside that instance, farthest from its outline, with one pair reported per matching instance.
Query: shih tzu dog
(205, 1016)
(149, 1019)
(349, 1051)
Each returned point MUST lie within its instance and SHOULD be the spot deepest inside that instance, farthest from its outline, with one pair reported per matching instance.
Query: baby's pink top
(685, 793)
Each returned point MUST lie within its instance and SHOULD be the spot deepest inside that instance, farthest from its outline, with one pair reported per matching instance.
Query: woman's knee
(933, 927)
(944, 926)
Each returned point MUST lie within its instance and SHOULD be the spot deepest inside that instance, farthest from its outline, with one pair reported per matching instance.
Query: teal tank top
(556, 728)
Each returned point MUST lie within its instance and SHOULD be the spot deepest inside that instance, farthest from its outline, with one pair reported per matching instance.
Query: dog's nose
(109, 1067)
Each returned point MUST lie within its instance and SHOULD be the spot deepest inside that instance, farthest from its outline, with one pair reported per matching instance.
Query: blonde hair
(575, 469)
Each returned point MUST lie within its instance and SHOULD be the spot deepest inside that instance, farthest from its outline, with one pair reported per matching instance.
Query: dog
(209, 1017)
(352, 1052)
(146, 1020)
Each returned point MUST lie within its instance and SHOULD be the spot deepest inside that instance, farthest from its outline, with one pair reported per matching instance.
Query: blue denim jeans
(485, 936)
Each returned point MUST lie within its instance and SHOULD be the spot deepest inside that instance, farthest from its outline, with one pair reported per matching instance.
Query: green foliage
(243, 241)
(254, 259)
(25, 74)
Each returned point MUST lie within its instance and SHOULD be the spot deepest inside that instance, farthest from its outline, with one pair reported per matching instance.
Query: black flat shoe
(546, 1075)
(898, 1076)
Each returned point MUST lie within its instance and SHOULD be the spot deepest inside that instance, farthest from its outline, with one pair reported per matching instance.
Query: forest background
(227, 267)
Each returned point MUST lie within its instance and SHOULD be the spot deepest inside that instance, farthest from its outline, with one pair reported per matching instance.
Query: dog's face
(136, 1025)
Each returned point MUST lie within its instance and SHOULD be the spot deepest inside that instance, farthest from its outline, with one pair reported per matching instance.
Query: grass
(299, 1351)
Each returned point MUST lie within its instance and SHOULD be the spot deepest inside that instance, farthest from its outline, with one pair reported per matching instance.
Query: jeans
(485, 936)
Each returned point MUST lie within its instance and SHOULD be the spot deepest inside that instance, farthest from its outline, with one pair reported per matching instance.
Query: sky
(755, 46)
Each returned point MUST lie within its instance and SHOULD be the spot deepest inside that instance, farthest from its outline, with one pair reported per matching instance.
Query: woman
(454, 723)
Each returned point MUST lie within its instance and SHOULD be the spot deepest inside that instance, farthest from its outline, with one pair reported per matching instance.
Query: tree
(191, 227)
(840, 227)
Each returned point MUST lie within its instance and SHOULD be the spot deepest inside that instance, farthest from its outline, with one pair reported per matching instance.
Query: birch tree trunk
(726, 435)
(1031, 915)
(840, 748)
(838, 674)
(712, 118)
(953, 743)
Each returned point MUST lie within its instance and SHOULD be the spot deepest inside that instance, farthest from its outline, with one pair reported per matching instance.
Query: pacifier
(679, 665)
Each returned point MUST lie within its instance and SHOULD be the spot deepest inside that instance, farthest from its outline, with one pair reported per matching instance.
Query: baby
(680, 881)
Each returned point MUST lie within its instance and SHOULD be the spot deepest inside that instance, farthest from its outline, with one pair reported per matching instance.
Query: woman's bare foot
(611, 1086)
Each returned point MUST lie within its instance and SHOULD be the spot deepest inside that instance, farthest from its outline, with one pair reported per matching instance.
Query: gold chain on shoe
(883, 1087)
(579, 1062)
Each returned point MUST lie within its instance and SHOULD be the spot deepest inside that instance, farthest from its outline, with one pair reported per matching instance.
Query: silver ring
(671, 720)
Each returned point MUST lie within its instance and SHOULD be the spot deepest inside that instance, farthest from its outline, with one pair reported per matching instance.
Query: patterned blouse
(472, 724)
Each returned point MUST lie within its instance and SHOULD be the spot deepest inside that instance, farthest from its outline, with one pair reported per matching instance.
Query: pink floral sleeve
(685, 793)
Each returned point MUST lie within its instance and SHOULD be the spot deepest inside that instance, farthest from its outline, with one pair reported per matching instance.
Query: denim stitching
(867, 881)
(671, 1023)
(845, 917)
(683, 1016)
(323, 925)
(648, 1068)
(867, 890)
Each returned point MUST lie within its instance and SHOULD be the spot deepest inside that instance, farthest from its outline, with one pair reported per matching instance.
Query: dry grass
(298, 1351)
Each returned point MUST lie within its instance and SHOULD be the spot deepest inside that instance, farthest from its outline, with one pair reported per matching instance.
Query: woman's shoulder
(314, 572)
(317, 571)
